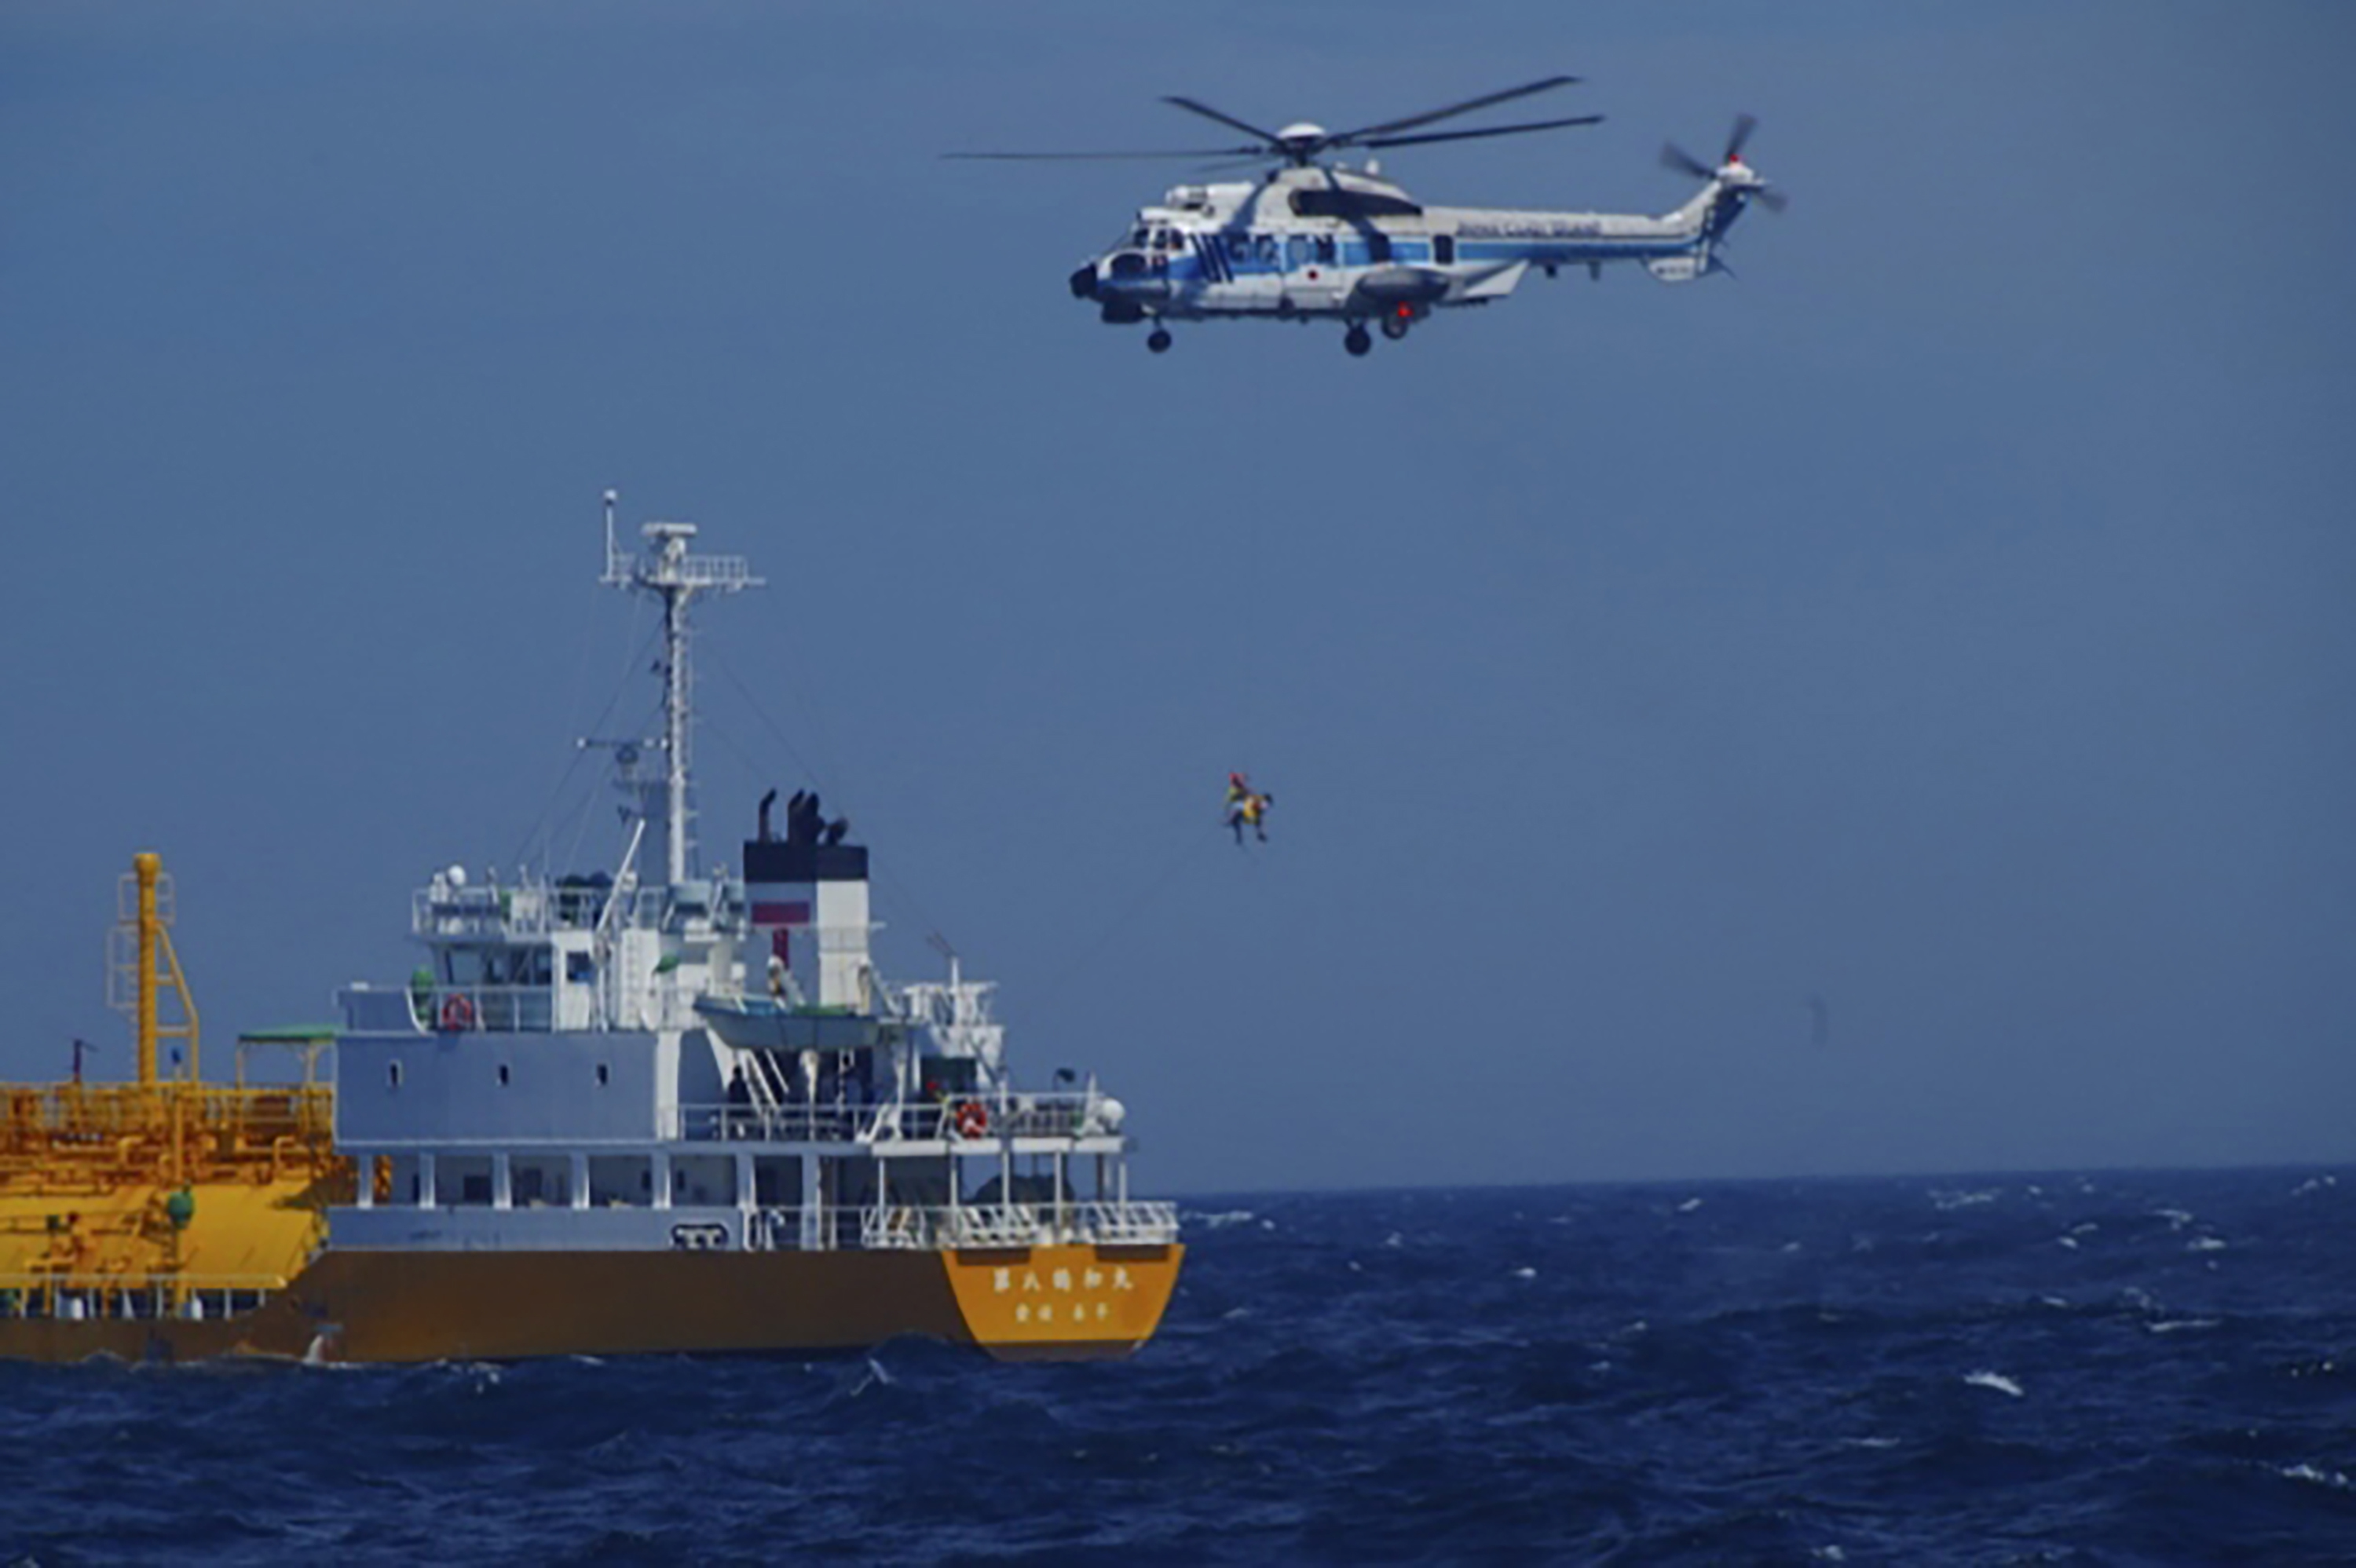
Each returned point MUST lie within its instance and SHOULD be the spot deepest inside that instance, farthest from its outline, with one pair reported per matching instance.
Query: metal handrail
(450, 1009)
(1048, 1115)
(935, 1227)
(784, 1124)
(75, 1296)
(532, 909)
(124, 1110)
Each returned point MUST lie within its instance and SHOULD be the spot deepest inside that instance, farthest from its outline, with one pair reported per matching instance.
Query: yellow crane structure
(164, 1197)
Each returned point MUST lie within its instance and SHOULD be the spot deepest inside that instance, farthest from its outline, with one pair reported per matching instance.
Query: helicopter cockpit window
(1268, 249)
(1324, 243)
(1140, 236)
(1239, 247)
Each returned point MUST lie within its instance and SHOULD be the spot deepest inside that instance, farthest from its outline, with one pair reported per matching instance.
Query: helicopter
(1312, 240)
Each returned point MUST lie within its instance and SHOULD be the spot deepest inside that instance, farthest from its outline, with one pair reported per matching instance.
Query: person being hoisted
(1247, 807)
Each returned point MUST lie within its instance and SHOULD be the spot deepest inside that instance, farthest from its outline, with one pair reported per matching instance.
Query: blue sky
(1949, 618)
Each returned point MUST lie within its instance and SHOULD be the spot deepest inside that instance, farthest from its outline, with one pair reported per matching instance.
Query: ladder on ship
(768, 1084)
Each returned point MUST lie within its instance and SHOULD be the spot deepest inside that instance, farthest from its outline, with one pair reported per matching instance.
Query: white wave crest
(1997, 1380)
(2332, 1478)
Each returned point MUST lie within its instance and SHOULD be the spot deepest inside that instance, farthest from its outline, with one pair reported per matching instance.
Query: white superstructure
(710, 1060)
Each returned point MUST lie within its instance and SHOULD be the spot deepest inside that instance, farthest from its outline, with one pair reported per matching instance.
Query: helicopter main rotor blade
(1067, 157)
(1743, 125)
(1470, 104)
(1469, 135)
(1771, 198)
(1676, 157)
(1207, 113)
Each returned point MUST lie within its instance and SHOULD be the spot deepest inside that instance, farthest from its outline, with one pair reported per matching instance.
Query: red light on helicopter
(1405, 310)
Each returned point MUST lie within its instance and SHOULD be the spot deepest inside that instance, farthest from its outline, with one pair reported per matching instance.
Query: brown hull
(1051, 1303)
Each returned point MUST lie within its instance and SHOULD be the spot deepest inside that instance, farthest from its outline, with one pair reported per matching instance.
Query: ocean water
(2077, 1369)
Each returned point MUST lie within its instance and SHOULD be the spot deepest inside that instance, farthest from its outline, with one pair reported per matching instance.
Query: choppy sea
(2146, 1368)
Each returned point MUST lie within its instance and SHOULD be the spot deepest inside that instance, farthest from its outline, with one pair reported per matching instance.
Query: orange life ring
(972, 1120)
(457, 1012)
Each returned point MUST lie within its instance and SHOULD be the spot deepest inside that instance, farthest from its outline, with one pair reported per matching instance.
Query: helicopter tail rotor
(1731, 170)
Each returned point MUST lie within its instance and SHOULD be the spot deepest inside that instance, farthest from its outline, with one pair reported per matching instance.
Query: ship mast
(672, 575)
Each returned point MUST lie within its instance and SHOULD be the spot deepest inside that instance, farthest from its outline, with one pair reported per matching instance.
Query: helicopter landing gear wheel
(1395, 326)
(1356, 341)
(1158, 341)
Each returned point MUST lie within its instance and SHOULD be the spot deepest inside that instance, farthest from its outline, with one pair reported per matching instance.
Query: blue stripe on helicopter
(1213, 265)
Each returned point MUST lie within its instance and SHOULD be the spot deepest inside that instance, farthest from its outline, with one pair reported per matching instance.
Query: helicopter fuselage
(1311, 243)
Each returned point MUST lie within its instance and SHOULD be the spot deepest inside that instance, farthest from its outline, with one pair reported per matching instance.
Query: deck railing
(76, 1298)
(533, 908)
(933, 1228)
(448, 1010)
(989, 1119)
(43, 1115)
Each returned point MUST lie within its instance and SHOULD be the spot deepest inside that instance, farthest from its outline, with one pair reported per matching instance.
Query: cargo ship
(649, 1108)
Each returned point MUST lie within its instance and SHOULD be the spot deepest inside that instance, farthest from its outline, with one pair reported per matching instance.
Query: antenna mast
(669, 572)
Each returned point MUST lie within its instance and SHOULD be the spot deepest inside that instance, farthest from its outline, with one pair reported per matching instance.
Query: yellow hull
(1034, 1303)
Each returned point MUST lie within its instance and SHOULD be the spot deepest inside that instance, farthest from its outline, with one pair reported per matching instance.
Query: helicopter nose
(1083, 283)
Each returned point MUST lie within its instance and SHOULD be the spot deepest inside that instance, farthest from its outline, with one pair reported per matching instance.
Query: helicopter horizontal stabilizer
(1681, 269)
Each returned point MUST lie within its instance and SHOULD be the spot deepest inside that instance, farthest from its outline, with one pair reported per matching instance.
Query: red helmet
(1234, 778)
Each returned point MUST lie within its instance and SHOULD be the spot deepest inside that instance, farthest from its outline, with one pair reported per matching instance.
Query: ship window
(503, 1074)
(776, 1182)
(541, 1181)
(703, 1181)
(580, 968)
(619, 1181)
(463, 1180)
(604, 1075)
(392, 1075)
